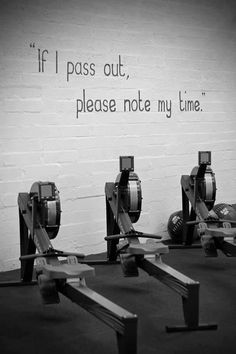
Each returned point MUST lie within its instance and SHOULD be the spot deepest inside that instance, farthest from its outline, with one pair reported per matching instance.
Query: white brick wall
(165, 47)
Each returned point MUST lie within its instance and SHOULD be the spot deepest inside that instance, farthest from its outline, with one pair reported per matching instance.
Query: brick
(11, 144)
(19, 159)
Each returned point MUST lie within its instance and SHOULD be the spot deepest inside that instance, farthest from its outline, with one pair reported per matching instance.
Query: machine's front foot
(186, 328)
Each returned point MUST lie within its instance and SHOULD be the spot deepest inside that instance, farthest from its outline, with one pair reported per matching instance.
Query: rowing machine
(39, 215)
(123, 208)
(199, 191)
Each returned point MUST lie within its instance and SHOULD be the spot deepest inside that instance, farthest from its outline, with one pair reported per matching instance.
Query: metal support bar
(188, 229)
(26, 246)
(123, 322)
(184, 286)
(112, 228)
(200, 208)
(53, 254)
(137, 233)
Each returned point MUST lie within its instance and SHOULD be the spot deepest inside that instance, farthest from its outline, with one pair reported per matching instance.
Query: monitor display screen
(204, 157)
(126, 163)
(46, 190)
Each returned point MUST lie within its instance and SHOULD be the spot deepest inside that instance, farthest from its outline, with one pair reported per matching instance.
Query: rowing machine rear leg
(127, 342)
(190, 304)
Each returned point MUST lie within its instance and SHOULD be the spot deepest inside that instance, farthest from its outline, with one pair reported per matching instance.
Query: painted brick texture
(160, 52)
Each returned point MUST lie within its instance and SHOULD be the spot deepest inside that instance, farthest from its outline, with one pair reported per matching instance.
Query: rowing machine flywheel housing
(48, 205)
(132, 196)
(206, 187)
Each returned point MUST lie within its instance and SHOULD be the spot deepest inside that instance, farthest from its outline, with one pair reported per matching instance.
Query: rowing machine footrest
(222, 232)
(225, 231)
(149, 247)
(72, 269)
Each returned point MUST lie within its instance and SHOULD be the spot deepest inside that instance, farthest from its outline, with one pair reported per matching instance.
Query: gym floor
(27, 326)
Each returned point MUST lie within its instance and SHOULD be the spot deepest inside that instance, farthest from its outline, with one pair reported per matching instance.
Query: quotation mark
(203, 93)
(32, 45)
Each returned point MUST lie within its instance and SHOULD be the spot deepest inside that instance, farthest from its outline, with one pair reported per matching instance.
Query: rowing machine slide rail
(123, 208)
(198, 198)
(39, 218)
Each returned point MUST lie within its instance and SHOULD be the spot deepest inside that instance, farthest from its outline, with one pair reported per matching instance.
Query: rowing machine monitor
(44, 190)
(126, 163)
(204, 158)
